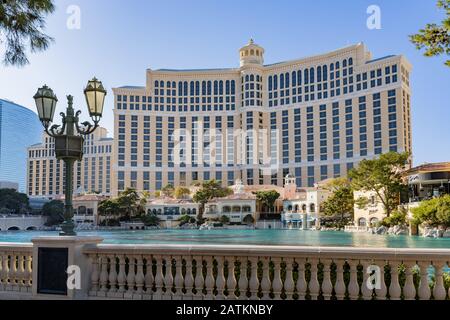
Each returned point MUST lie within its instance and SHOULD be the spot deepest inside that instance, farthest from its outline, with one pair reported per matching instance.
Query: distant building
(315, 117)
(9, 185)
(92, 175)
(19, 128)
(372, 213)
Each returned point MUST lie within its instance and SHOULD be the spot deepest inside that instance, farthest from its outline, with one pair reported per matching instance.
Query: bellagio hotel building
(315, 118)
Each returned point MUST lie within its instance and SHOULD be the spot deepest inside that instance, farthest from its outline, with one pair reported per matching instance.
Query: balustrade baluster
(254, 281)
(439, 292)
(28, 271)
(148, 278)
(112, 274)
(243, 278)
(381, 293)
(131, 277)
(265, 281)
(327, 285)
(424, 291)
(179, 280)
(20, 271)
(366, 289)
(103, 274)
(289, 285)
(231, 279)
(220, 279)
(209, 279)
(139, 274)
(121, 277)
(353, 287)
(199, 280)
(168, 279)
(188, 279)
(301, 282)
(395, 290)
(409, 290)
(277, 285)
(12, 271)
(339, 287)
(314, 286)
(95, 274)
(1, 272)
(159, 282)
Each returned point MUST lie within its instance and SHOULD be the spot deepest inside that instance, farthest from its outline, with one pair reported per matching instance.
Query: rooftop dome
(251, 53)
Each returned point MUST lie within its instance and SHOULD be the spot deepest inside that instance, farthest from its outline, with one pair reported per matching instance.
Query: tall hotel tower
(315, 118)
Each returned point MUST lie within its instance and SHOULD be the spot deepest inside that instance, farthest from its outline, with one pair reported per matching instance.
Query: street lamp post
(69, 137)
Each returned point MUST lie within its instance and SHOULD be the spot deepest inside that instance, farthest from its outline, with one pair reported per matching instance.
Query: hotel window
(362, 126)
(323, 133)
(377, 123)
(311, 178)
(336, 132)
(310, 133)
(349, 127)
(297, 136)
(285, 134)
(392, 116)
(230, 178)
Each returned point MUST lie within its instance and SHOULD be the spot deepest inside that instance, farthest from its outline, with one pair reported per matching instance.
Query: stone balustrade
(16, 268)
(264, 272)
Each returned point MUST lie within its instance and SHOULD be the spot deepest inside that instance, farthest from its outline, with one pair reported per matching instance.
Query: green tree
(168, 190)
(224, 219)
(14, 201)
(383, 176)
(150, 220)
(434, 212)
(209, 190)
(435, 38)
(54, 211)
(267, 198)
(340, 204)
(184, 219)
(109, 208)
(181, 192)
(248, 219)
(397, 218)
(129, 201)
(21, 25)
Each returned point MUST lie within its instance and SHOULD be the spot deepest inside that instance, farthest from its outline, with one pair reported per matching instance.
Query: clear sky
(118, 40)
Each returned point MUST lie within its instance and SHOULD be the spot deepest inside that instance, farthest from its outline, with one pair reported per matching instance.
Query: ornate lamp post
(69, 137)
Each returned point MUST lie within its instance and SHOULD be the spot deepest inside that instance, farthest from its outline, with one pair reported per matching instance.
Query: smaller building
(236, 206)
(170, 210)
(301, 207)
(372, 213)
(9, 185)
(85, 208)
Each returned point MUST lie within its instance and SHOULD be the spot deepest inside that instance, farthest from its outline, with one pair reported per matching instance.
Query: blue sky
(118, 40)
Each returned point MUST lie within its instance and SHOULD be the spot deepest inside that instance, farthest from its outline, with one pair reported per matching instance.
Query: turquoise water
(245, 237)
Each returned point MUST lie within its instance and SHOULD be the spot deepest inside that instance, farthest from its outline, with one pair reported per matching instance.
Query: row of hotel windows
(156, 183)
(304, 89)
(38, 170)
(49, 151)
(287, 134)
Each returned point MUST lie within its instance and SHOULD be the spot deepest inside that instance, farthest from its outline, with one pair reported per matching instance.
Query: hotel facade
(46, 174)
(314, 118)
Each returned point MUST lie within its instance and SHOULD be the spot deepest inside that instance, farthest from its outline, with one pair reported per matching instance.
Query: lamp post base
(68, 229)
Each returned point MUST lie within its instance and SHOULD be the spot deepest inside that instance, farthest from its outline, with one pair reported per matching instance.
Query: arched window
(185, 89)
(299, 78)
(252, 77)
(311, 75)
(252, 52)
(247, 78)
(275, 82)
(226, 209)
(350, 61)
(221, 87)
(325, 73)
(374, 222)
(161, 84)
(194, 211)
(319, 74)
(236, 209)
(312, 207)
(294, 78)
(344, 63)
(233, 87)
(246, 209)
(304, 208)
(362, 222)
(332, 67)
(296, 208)
(159, 211)
(180, 88)
(270, 83)
(209, 88)
(281, 81)
(168, 84)
(257, 53)
(156, 84)
(216, 87)
(183, 211)
(188, 211)
(306, 76)
(286, 79)
(289, 207)
(192, 87)
(246, 53)
(204, 88)
(337, 65)
(197, 88)
(227, 87)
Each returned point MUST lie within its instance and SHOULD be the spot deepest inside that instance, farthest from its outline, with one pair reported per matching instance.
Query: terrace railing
(15, 268)
(266, 272)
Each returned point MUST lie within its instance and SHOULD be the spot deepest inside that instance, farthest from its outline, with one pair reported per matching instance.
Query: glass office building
(19, 128)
